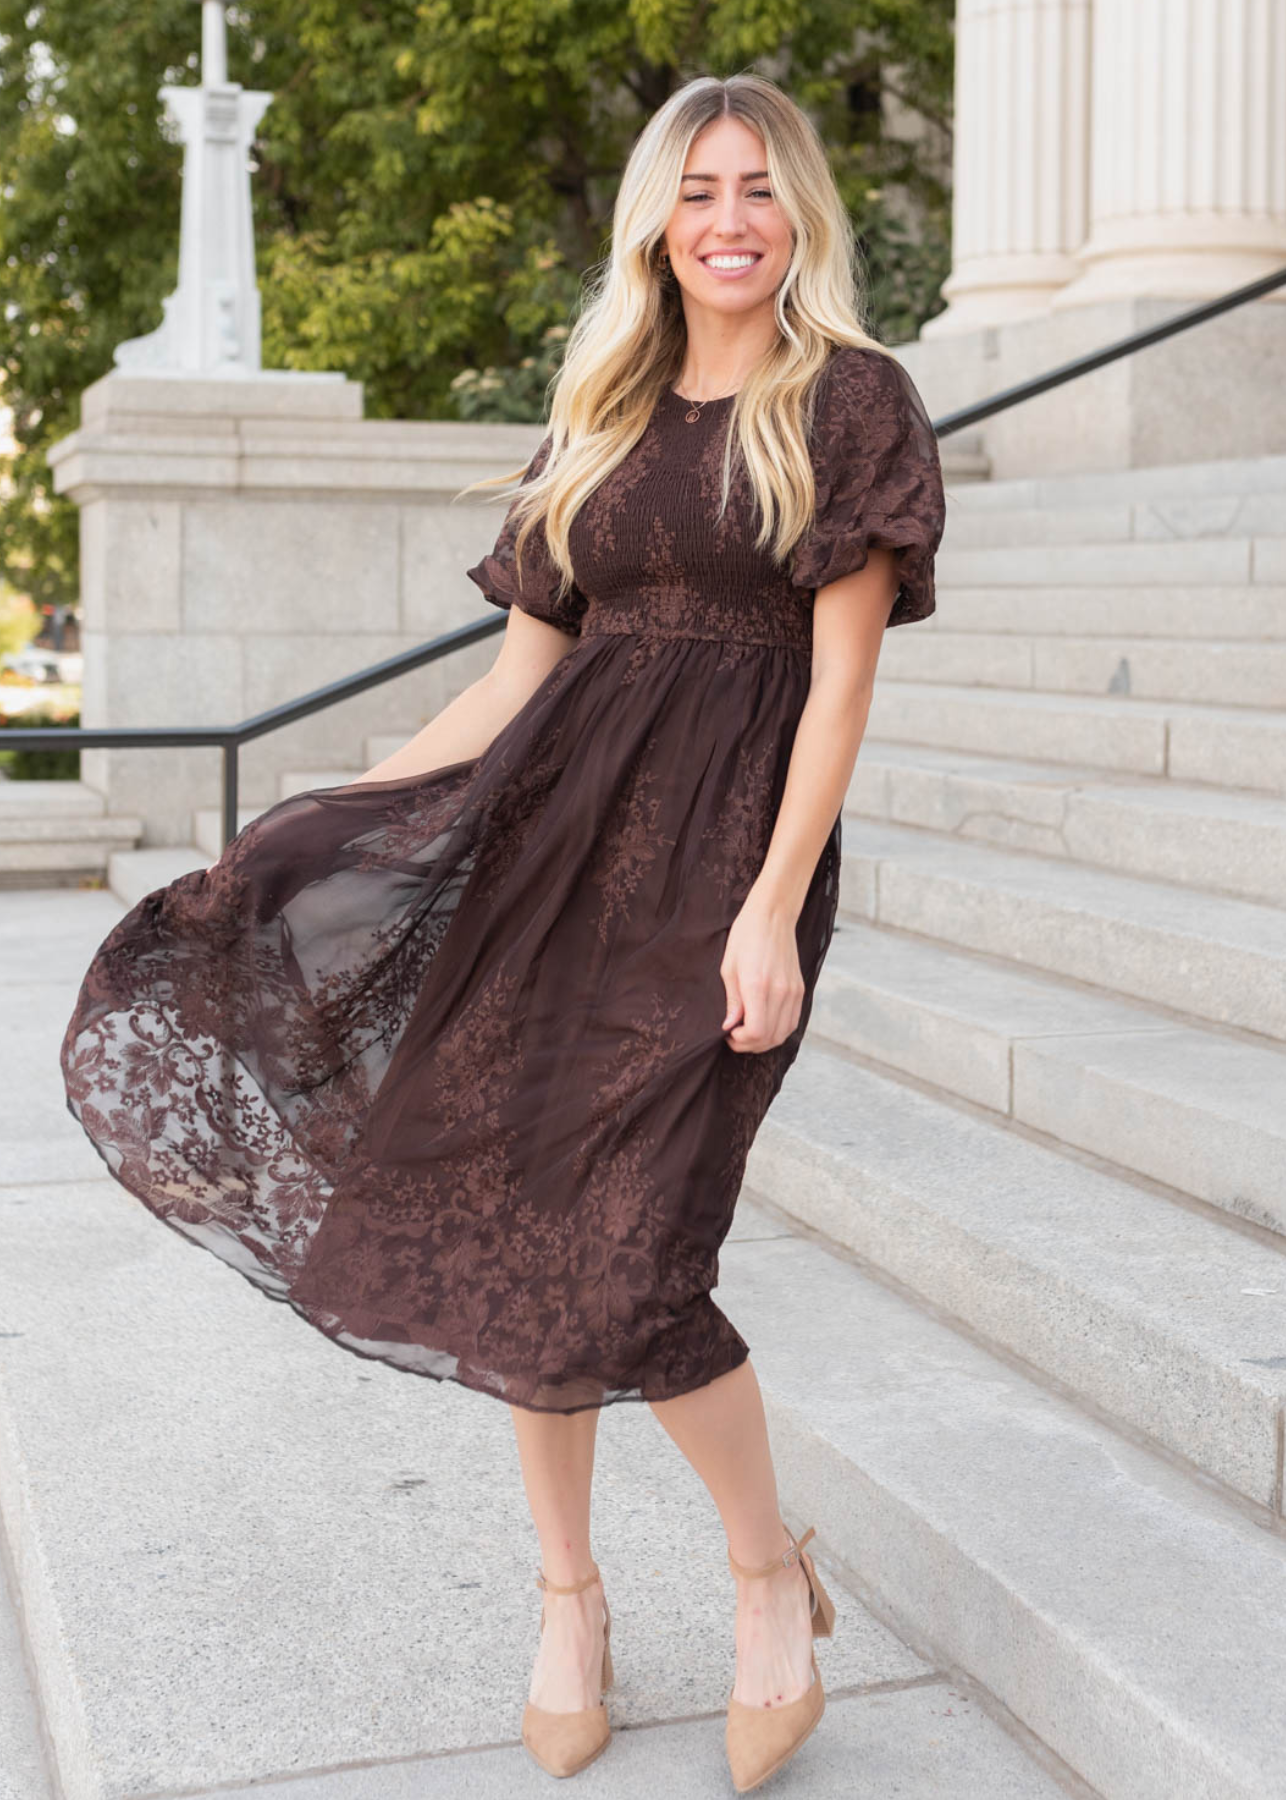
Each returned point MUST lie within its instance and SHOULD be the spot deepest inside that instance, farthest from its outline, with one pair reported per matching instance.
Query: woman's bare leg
(722, 1431)
(556, 1451)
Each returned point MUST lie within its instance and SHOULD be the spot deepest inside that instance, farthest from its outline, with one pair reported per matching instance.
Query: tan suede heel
(760, 1739)
(563, 1742)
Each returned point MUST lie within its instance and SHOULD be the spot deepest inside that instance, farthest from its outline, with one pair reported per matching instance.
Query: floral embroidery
(631, 841)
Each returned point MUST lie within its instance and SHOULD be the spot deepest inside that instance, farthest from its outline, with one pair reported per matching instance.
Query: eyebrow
(754, 175)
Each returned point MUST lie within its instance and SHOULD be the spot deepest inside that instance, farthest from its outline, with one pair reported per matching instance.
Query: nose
(730, 215)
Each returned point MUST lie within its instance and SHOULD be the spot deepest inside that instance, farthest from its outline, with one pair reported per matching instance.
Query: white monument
(211, 324)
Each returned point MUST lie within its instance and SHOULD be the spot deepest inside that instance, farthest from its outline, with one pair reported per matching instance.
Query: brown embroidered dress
(439, 1060)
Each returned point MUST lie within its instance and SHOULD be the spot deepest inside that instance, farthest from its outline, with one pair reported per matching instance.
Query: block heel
(760, 1740)
(565, 1742)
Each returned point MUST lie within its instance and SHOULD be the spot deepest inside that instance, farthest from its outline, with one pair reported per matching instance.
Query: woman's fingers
(751, 1033)
(764, 984)
(771, 1008)
(732, 989)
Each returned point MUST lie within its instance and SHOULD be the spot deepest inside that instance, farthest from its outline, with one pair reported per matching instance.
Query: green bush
(40, 765)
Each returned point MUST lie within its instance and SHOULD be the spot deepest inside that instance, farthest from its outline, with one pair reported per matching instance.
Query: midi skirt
(438, 1061)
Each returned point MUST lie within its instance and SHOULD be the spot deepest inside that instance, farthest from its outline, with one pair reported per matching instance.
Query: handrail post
(230, 748)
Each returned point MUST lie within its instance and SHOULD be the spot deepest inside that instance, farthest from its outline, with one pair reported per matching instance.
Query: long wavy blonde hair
(628, 342)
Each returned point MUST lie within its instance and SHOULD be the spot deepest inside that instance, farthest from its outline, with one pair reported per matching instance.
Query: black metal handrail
(230, 738)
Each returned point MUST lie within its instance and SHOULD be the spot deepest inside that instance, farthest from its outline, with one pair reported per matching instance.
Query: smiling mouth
(732, 259)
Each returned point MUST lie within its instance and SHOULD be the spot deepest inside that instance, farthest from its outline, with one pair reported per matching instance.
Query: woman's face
(727, 215)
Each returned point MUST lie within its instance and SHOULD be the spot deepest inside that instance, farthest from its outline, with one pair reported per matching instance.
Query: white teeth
(729, 262)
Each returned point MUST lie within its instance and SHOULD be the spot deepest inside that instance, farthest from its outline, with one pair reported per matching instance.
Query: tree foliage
(432, 179)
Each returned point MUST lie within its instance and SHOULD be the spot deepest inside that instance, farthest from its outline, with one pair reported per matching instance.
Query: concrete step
(207, 825)
(1205, 956)
(1224, 562)
(293, 1563)
(1165, 483)
(1166, 1318)
(41, 799)
(1196, 672)
(207, 821)
(980, 527)
(1215, 839)
(305, 781)
(1232, 515)
(1236, 747)
(1130, 1617)
(45, 852)
(1200, 1110)
(55, 832)
(1167, 611)
(133, 873)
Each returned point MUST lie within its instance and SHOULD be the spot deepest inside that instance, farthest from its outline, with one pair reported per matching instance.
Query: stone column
(1021, 171)
(1188, 193)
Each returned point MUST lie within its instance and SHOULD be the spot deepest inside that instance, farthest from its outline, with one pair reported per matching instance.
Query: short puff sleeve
(537, 593)
(878, 478)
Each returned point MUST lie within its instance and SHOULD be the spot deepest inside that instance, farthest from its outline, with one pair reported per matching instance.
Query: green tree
(432, 179)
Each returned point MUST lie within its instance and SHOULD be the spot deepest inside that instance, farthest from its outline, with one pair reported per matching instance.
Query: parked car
(32, 665)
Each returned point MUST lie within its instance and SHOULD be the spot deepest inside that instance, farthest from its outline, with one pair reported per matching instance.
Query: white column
(211, 323)
(1021, 164)
(214, 44)
(1188, 192)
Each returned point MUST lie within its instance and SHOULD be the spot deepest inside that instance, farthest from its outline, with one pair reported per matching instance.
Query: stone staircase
(1011, 1256)
(58, 833)
(1037, 1138)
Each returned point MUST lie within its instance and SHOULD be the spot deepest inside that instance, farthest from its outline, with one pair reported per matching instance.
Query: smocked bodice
(653, 556)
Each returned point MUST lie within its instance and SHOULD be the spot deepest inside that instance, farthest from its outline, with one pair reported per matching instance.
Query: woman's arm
(529, 649)
(760, 966)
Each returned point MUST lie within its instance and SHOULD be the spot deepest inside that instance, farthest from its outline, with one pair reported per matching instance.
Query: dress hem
(266, 1292)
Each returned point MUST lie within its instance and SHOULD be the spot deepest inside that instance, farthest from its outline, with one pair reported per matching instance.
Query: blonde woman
(463, 1060)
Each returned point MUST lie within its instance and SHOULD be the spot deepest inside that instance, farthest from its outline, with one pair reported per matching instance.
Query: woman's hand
(761, 975)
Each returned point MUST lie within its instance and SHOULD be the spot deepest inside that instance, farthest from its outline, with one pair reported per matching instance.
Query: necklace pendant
(692, 415)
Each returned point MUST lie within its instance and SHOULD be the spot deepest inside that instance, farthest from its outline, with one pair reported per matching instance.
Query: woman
(463, 1059)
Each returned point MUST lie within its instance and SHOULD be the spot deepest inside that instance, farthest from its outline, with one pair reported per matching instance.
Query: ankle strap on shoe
(552, 1587)
(783, 1561)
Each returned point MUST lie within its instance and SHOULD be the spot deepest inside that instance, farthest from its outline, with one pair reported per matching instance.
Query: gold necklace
(694, 406)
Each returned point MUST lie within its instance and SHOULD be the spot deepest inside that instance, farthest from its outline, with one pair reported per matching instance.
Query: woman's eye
(755, 194)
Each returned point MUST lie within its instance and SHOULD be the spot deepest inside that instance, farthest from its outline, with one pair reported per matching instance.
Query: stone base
(1211, 391)
(244, 542)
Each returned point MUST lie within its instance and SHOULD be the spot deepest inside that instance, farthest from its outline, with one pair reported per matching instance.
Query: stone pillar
(1021, 174)
(1188, 194)
(244, 542)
